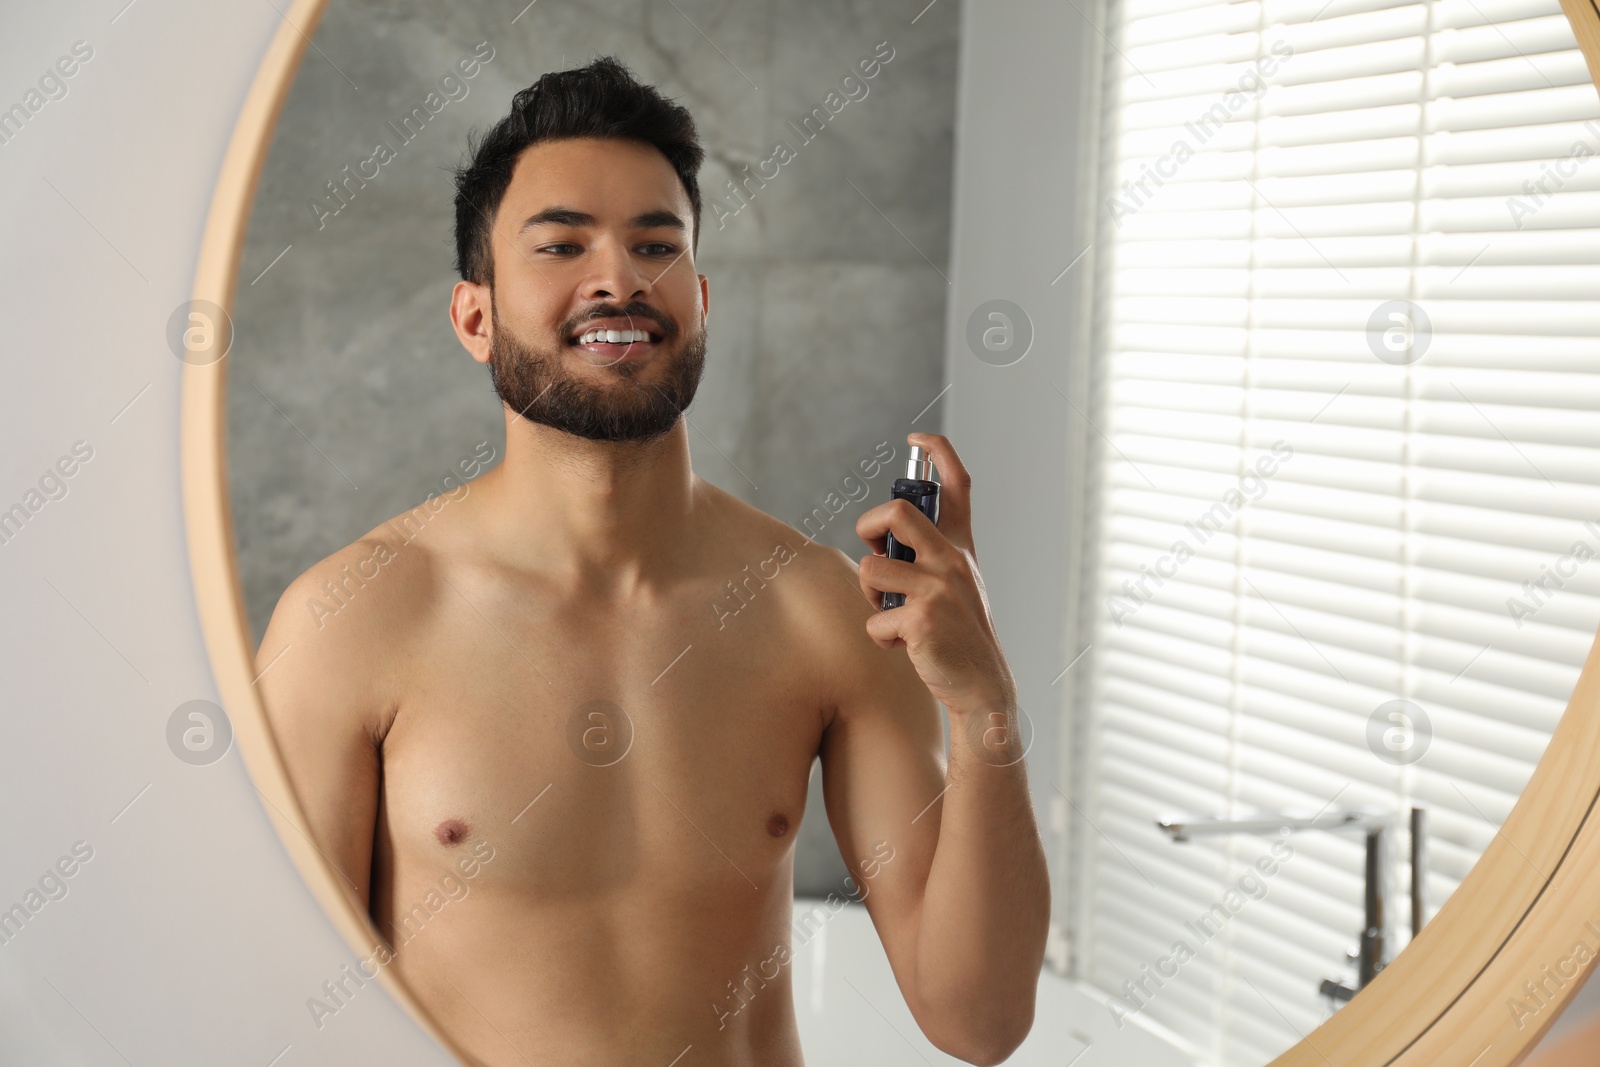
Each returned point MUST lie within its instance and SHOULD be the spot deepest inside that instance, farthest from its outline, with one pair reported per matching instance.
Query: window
(1346, 378)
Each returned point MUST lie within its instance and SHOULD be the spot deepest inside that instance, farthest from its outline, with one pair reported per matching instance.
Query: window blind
(1345, 378)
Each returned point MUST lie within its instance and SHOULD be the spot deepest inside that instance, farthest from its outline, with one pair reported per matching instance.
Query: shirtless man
(537, 687)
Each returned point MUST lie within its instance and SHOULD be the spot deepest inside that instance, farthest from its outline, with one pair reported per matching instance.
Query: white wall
(188, 937)
(1024, 112)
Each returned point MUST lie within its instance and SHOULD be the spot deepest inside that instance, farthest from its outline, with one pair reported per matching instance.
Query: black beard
(533, 382)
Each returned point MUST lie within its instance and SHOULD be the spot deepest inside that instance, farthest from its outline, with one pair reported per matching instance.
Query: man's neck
(598, 518)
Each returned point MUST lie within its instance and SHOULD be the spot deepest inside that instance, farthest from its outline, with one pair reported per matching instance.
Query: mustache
(635, 311)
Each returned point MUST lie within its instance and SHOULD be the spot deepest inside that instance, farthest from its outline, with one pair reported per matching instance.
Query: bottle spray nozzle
(919, 465)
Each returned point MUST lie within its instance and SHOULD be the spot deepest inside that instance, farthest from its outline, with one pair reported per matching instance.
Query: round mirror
(556, 655)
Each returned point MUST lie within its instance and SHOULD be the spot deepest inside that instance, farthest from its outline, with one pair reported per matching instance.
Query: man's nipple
(778, 825)
(451, 832)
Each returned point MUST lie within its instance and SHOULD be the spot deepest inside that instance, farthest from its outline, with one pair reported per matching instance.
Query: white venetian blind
(1384, 260)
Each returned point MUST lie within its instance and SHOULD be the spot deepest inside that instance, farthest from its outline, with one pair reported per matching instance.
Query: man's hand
(945, 622)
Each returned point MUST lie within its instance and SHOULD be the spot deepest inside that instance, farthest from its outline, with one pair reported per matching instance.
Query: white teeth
(615, 337)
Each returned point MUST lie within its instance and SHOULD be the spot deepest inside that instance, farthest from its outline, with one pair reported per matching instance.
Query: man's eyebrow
(566, 216)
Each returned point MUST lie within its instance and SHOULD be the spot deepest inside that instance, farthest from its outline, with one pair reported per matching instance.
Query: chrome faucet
(1372, 954)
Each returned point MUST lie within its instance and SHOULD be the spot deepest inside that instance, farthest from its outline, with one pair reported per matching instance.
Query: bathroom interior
(1266, 329)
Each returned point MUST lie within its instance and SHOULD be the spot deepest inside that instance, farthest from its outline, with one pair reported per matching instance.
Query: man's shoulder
(818, 585)
(826, 611)
(746, 531)
(360, 592)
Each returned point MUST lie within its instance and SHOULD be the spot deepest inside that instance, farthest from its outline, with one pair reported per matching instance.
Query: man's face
(562, 277)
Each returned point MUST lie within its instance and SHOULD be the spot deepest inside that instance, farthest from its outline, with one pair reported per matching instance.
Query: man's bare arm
(883, 774)
(986, 907)
(946, 855)
(972, 934)
(319, 680)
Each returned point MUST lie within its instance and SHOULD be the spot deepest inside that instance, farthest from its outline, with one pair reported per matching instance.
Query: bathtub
(851, 1012)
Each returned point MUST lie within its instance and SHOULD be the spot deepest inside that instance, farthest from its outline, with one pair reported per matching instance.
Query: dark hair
(602, 99)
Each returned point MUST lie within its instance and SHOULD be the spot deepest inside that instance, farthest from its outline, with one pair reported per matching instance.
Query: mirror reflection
(579, 362)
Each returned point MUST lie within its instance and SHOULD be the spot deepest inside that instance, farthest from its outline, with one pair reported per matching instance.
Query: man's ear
(705, 297)
(471, 315)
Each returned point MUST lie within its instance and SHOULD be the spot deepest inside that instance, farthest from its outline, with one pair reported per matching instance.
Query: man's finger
(884, 629)
(879, 575)
(905, 520)
(955, 487)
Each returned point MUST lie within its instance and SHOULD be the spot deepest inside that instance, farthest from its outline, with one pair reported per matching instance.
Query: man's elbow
(983, 1035)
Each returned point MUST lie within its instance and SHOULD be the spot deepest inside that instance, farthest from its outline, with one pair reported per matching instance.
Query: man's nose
(616, 273)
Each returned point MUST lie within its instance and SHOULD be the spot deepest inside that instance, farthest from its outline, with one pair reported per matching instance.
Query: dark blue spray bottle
(923, 493)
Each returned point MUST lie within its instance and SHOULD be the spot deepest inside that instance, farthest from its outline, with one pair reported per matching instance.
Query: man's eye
(664, 248)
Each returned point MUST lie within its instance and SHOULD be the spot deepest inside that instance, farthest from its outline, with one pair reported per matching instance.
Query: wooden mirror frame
(1444, 1000)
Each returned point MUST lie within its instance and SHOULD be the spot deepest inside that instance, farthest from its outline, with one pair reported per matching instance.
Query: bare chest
(589, 756)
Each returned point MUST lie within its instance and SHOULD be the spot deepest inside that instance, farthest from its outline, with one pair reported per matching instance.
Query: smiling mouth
(616, 343)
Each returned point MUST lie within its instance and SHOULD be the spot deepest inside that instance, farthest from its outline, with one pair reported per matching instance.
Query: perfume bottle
(923, 492)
